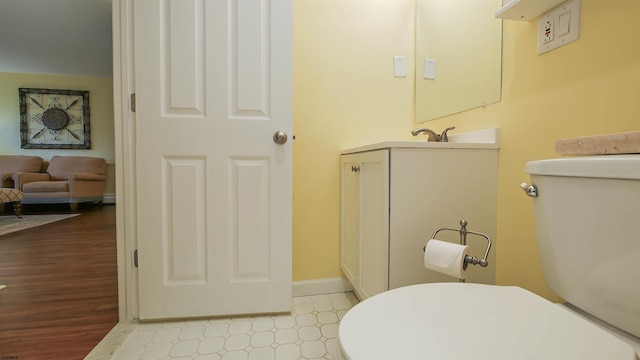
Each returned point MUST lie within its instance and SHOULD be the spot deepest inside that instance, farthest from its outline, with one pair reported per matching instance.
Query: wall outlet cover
(548, 30)
(559, 26)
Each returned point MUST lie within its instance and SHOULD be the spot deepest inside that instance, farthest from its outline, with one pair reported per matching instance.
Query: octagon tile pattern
(310, 332)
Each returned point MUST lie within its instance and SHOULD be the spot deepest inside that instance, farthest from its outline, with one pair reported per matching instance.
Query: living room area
(60, 104)
(58, 264)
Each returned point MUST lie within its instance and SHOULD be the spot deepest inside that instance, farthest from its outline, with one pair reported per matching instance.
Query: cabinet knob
(355, 168)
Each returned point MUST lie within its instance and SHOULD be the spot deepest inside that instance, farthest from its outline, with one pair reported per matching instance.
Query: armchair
(10, 164)
(68, 179)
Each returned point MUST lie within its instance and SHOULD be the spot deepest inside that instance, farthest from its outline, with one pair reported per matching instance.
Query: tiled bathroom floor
(309, 332)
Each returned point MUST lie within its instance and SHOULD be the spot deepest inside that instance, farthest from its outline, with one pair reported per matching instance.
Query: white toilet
(587, 213)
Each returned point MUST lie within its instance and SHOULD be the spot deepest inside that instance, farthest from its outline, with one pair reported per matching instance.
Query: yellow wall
(587, 87)
(101, 103)
(345, 95)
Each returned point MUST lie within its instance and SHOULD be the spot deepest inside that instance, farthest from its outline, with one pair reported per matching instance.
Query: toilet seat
(470, 321)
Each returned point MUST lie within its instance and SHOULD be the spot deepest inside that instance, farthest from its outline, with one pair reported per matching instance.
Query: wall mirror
(458, 56)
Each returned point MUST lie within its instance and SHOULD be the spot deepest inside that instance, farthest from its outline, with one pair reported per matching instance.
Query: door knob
(280, 137)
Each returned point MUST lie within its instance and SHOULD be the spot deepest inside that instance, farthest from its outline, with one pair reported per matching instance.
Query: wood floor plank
(61, 295)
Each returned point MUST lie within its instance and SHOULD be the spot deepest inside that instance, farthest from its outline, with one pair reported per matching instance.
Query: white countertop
(479, 139)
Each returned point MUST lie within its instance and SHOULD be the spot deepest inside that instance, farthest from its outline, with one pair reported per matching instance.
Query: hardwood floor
(61, 295)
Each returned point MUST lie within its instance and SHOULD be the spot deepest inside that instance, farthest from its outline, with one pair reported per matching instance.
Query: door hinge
(135, 257)
(133, 102)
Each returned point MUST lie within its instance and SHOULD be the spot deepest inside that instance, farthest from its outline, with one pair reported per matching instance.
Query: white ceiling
(70, 37)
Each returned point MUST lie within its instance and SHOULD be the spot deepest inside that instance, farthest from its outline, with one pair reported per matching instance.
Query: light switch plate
(399, 66)
(559, 27)
(429, 69)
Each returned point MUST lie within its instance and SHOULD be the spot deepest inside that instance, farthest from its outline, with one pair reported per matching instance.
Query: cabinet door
(350, 217)
(374, 220)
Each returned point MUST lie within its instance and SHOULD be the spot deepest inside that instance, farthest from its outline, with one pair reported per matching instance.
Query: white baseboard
(321, 286)
(109, 199)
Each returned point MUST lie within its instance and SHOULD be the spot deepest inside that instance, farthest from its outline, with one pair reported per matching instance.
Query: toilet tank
(587, 216)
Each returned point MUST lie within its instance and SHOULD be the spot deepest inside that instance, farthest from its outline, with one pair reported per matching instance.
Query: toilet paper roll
(445, 257)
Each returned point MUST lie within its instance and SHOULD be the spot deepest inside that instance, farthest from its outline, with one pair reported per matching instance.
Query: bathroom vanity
(395, 194)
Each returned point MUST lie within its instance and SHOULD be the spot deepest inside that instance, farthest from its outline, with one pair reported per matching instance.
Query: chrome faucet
(432, 136)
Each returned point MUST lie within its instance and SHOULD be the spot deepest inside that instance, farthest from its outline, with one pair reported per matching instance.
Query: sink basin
(478, 139)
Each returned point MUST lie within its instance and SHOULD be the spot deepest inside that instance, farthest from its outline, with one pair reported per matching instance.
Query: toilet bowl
(587, 232)
(471, 321)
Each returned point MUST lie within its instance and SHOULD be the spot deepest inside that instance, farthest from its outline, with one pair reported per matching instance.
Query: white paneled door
(213, 85)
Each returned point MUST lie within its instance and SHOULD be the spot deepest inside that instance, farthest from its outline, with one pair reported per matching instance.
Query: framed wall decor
(54, 119)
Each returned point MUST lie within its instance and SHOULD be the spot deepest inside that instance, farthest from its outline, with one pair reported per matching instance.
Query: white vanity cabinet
(365, 221)
(394, 195)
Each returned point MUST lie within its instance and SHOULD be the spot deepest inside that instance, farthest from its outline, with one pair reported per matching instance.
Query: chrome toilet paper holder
(463, 241)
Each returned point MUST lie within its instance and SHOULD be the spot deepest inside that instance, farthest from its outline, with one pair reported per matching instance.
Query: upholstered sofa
(66, 179)
(10, 164)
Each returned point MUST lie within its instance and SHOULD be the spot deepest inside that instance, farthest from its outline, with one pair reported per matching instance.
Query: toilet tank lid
(603, 166)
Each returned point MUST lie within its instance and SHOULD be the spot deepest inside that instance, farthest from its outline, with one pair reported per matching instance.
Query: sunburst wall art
(54, 119)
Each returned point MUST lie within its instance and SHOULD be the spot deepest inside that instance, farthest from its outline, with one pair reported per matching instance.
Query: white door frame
(124, 123)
